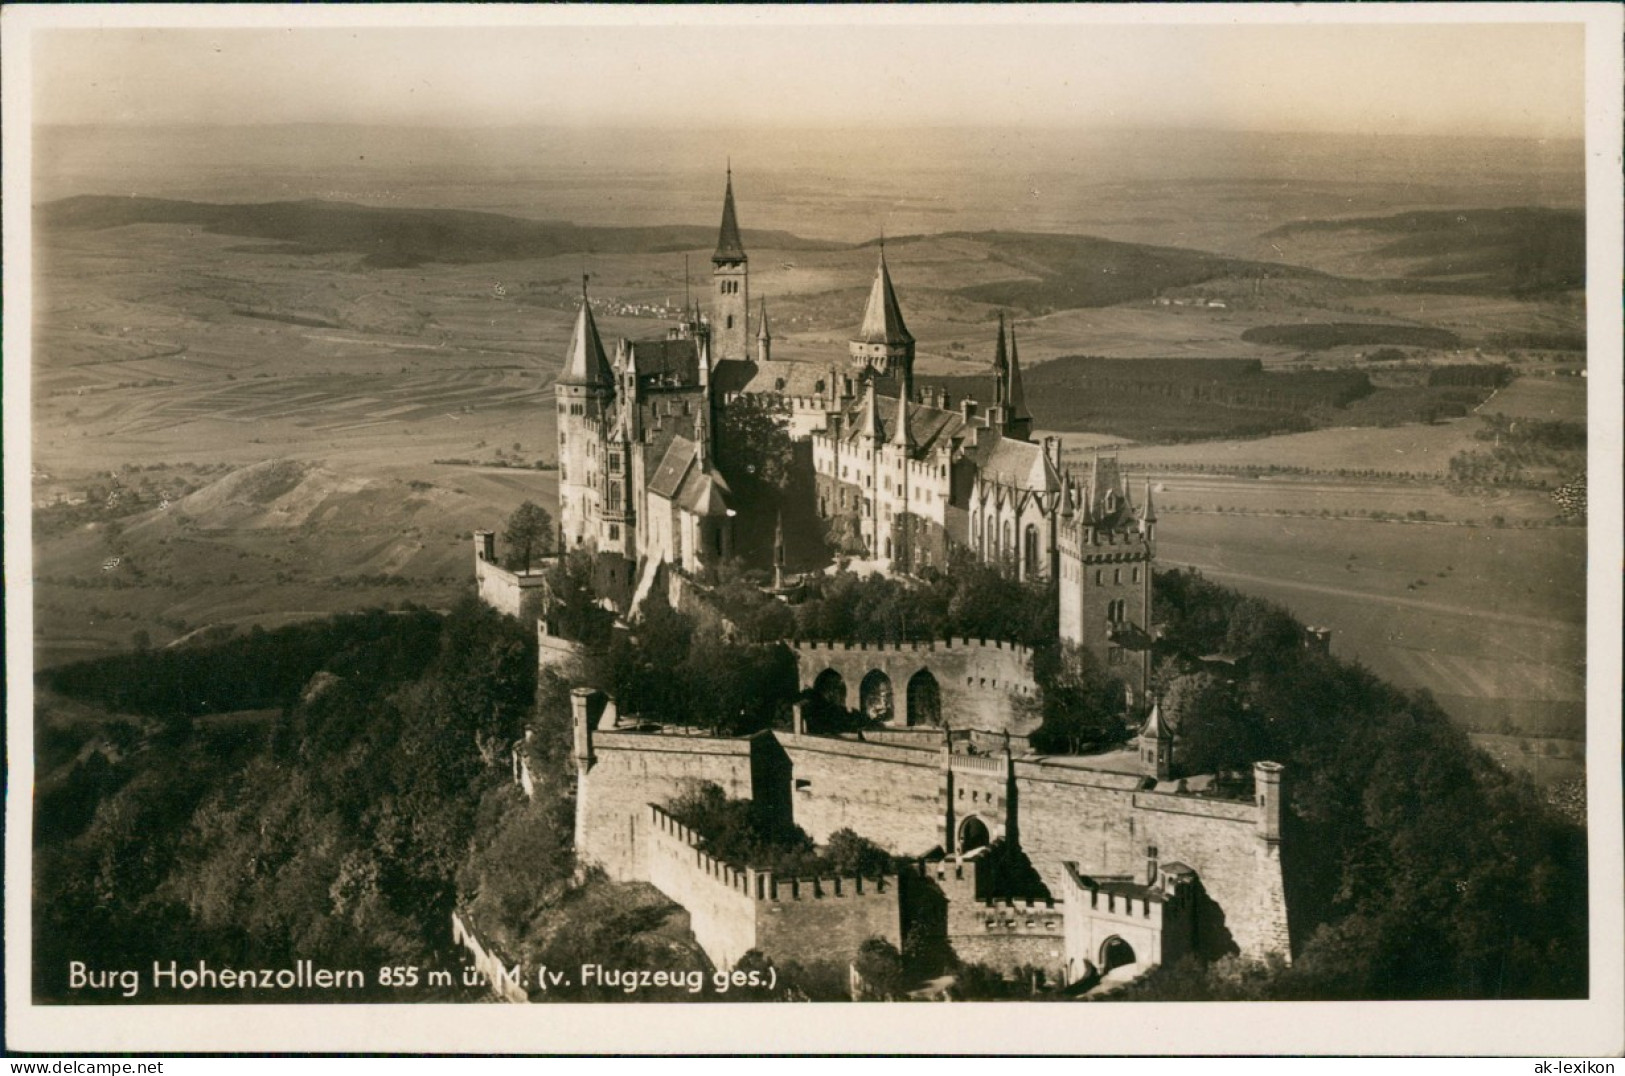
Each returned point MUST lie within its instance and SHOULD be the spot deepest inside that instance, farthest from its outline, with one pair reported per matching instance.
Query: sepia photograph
(637, 512)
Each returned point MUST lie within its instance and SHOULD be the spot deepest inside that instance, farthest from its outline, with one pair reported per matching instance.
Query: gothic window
(614, 496)
(1029, 549)
(615, 461)
(614, 532)
(1005, 542)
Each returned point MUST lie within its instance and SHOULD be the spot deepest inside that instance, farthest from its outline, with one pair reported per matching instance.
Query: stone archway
(875, 697)
(973, 834)
(830, 687)
(1115, 953)
(924, 699)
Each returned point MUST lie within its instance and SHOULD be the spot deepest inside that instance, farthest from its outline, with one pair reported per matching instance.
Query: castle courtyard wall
(721, 911)
(894, 796)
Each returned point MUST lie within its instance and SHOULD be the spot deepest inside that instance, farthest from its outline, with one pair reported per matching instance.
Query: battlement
(918, 646)
(761, 885)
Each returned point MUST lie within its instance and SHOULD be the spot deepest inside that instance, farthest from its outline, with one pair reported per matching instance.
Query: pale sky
(846, 67)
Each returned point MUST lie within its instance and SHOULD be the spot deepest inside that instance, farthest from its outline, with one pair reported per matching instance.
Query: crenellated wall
(630, 769)
(981, 684)
(1002, 934)
(912, 799)
(733, 910)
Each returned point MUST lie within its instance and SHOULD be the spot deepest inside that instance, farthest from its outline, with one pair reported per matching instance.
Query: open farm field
(1414, 449)
(1405, 503)
(1491, 621)
(1543, 398)
(1546, 760)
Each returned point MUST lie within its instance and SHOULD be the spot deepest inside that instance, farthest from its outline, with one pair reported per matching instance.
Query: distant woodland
(334, 789)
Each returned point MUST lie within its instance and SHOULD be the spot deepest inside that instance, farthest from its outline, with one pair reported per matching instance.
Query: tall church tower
(583, 392)
(730, 274)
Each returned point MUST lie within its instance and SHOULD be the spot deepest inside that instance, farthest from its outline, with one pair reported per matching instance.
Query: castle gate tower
(730, 274)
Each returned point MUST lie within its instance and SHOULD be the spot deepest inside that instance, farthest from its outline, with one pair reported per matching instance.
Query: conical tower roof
(762, 333)
(901, 436)
(869, 419)
(730, 248)
(1015, 396)
(585, 362)
(1156, 726)
(883, 318)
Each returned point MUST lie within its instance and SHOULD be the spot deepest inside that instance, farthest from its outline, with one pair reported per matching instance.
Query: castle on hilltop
(1141, 864)
(901, 475)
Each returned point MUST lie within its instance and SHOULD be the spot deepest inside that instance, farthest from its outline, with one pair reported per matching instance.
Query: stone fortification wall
(982, 684)
(823, 919)
(627, 771)
(718, 897)
(1006, 935)
(733, 910)
(518, 594)
(1106, 824)
(895, 796)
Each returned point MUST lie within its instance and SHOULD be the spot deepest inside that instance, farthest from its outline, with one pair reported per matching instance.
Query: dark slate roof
(883, 318)
(664, 358)
(1012, 462)
(784, 376)
(929, 427)
(730, 248)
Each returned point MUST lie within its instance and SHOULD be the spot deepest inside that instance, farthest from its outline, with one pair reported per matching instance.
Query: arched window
(1029, 550)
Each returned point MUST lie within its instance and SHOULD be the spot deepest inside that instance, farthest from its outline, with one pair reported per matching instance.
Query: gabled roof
(674, 467)
(1020, 464)
(585, 362)
(882, 318)
(682, 481)
(730, 248)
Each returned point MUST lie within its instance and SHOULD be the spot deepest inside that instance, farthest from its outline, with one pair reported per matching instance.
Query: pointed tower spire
(901, 436)
(1001, 367)
(869, 420)
(585, 362)
(730, 248)
(883, 343)
(762, 332)
(1067, 509)
(1148, 512)
(1019, 422)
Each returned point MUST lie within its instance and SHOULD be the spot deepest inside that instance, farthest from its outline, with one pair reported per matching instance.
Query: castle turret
(1106, 558)
(1157, 746)
(583, 391)
(883, 344)
(1267, 794)
(730, 275)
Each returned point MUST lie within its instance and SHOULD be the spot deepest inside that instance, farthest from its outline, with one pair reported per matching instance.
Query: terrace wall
(983, 684)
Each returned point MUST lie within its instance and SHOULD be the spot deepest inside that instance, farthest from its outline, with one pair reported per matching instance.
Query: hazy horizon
(1028, 68)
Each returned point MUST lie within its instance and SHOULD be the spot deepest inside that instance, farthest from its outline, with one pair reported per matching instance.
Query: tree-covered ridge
(334, 832)
(1415, 867)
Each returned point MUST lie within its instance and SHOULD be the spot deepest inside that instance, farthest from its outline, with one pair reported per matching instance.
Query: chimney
(798, 717)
